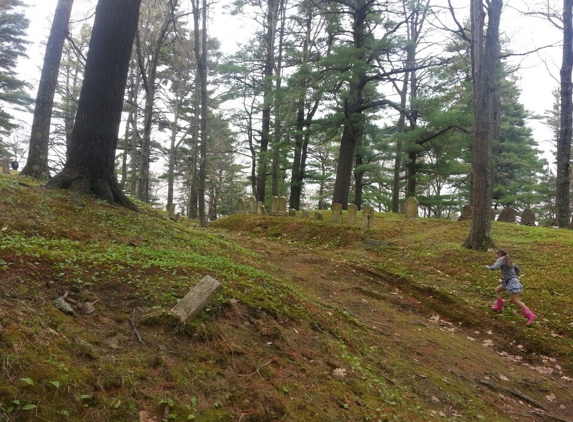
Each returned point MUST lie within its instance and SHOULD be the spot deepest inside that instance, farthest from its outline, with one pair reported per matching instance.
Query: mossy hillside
(268, 347)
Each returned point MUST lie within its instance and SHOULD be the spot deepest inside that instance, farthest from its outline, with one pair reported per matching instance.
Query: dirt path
(415, 347)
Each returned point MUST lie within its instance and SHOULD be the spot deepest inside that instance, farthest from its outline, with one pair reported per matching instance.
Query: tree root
(79, 185)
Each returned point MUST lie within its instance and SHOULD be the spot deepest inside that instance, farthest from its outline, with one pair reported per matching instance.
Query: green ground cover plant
(315, 322)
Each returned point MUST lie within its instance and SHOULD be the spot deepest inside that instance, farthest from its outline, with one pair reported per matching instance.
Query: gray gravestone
(351, 214)
(337, 213)
(367, 217)
(5, 166)
(197, 298)
(528, 217)
(261, 210)
(241, 206)
(253, 208)
(411, 207)
(507, 215)
(282, 205)
(466, 213)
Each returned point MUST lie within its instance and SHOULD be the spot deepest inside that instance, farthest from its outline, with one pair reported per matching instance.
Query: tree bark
(91, 162)
(353, 117)
(566, 121)
(37, 163)
(486, 75)
(269, 65)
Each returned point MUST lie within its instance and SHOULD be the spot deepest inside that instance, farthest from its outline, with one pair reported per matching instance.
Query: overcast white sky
(537, 74)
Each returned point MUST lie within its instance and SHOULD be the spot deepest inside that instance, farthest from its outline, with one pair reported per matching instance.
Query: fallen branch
(514, 393)
(549, 417)
(134, 326)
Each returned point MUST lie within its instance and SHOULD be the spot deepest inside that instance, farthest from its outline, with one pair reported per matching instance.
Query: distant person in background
(510, 282)
(14, 165)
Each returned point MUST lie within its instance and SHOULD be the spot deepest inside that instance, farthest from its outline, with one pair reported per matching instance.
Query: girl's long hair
(506, 259)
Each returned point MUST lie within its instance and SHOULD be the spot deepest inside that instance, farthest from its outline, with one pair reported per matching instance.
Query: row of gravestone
(507, 215)
(252, 206)
(278, 207)
(409, 209)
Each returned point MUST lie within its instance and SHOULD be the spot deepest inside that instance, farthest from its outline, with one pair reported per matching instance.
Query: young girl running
(509, 272)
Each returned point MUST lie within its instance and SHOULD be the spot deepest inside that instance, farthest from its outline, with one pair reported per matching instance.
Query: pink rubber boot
(498, 307)
(529, 315)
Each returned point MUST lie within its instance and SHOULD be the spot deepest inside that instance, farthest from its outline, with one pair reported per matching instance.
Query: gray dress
(510, 281)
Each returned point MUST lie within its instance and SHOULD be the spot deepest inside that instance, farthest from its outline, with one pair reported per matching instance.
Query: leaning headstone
(528, 217)
(507, 215)
(337, 213)
(317, 216)
(367, 217)
(197, 298)
(241, 206)
(261, 210)
(411, 207)
(304, 213)
(466, 213)
(253, 207)
(351, 214)
(274, 205)
(282, 205)
(5, 166)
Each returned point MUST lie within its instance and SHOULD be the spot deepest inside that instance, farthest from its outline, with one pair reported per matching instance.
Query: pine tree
(13, 26)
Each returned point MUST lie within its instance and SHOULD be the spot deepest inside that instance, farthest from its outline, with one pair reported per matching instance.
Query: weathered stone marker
(367, 217)
(351, 214)
(336, 213)
(274, 205)
(282, 205)
(507, 215)
(197, 299)
(527, 217)
(253, 206)
(241, 208)
(5, 166)
(466, 213)
(411, 208)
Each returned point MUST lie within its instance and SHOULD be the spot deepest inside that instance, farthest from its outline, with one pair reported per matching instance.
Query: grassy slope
(329, 326)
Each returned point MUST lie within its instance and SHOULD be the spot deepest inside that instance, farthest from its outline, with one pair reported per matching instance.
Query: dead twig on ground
(134, 326)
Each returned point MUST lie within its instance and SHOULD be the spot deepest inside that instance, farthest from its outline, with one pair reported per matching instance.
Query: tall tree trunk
(400, 127)
(566, 121)
(486, 75)
(194, 189)
(135, 138)
(201, 54)
(297, 171)
(172, 157)
(91, 163)
(353, 117)
(270, 36)
(149, 77)
(358, 176)
(276, 145)
(37, 164)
